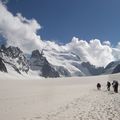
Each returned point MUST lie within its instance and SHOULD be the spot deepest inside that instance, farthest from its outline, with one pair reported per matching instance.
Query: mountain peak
(52, 64)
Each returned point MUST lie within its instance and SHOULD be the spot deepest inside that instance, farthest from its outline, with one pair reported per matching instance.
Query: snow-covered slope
(71, 63)
(50, 63)
(64, 59)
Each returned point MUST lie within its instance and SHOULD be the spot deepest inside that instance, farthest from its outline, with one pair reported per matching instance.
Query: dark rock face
(48, 71)
(110, 65)
(63, 71)
(16, 53)
(93, 69)
(13, 52)
(40, 63)
(110, 68)
(36, 54)
(117, 69)
(87, 69)
(14, 57)
(2, 66)
(36, 60)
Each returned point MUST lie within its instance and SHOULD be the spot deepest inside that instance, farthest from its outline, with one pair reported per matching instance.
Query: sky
(63, 19)
(88, 28)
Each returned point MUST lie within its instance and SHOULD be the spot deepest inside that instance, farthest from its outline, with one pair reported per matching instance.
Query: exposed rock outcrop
(2, 66)
(39, 62)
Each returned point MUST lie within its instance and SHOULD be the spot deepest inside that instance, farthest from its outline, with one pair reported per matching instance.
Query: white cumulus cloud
(92, 51)
(18, 30)
(107, 43)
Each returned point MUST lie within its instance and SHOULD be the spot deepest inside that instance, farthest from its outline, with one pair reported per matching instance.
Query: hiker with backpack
(115, 86)
(98, 86)
(108, 85)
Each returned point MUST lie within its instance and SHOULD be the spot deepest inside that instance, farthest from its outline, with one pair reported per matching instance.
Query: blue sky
(63, 19)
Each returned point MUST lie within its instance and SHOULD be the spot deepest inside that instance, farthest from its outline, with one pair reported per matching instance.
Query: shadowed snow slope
(74, 98)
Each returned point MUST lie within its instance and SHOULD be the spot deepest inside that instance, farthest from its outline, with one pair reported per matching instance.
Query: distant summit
(13, 59)
(39, 62)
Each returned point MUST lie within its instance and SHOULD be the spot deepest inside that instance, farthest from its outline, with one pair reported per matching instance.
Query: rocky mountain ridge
(12, 58)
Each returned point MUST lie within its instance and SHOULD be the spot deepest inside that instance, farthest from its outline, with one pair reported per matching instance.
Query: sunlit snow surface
(75, 98)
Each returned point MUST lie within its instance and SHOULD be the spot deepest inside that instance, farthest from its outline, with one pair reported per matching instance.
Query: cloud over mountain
(18, 30)
(94, 52)
(22, 32)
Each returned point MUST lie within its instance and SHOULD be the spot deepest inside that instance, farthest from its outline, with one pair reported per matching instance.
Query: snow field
(74, 98)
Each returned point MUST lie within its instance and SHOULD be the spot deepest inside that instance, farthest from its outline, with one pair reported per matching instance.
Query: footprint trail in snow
(98, 105)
